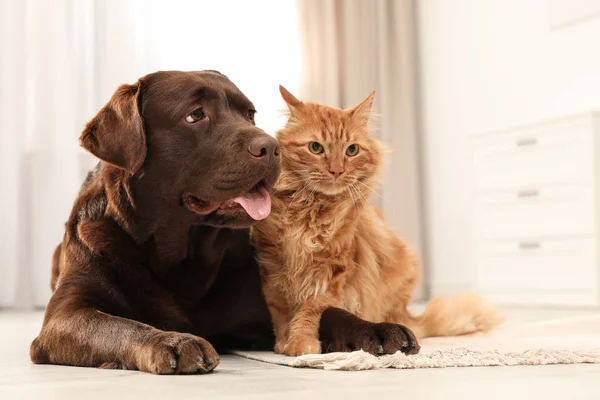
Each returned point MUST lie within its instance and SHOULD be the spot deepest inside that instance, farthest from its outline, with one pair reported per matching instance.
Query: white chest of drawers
(537, 213)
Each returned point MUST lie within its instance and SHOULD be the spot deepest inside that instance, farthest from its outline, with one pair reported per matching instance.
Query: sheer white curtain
(44, 101)
(60, 60)
(349, 49)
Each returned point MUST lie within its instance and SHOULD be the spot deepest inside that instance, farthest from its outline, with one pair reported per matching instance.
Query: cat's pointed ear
(362, 112)
(292, 102)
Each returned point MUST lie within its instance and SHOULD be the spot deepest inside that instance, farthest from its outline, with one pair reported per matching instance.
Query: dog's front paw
(176, 353)
(298, 346)
(378, 339)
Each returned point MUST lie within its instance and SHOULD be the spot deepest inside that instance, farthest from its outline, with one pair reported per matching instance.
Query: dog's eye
(195, 116)
(251, 114)
(352, 150)
(316, 147)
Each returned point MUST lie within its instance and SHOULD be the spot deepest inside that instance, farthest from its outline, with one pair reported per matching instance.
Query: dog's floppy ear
(116, 135)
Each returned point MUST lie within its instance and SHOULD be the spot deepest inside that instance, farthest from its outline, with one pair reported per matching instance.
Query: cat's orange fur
(324, 244)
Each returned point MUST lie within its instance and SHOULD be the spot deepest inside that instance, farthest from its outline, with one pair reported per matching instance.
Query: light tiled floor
(241, 378)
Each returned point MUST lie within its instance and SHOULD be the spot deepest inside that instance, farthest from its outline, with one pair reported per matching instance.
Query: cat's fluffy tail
(453, 316)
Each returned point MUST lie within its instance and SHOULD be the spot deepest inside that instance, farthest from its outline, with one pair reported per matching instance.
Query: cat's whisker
(287, 183)
(294, 177)
(314, 190)
(291, 177)
(366, 202)
(356, 201)
(357, 193)
(306, 183)
(370, 188)
(296, 195)
(352, 198)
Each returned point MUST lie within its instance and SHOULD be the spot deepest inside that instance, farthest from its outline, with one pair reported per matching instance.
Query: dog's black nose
(264, 147)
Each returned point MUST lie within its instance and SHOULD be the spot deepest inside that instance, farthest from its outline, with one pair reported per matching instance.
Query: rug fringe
(460, 357)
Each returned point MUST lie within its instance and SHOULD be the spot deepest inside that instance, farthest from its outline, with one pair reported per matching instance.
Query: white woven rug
(563, 341)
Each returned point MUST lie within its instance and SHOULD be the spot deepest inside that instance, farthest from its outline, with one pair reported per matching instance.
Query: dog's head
(191, 138)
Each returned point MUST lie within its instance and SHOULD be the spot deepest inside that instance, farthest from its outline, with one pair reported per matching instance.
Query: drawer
(536, 211)
(556, 153)
(545, 266)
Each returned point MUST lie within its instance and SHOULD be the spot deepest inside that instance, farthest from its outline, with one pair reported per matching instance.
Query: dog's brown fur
(325, 246)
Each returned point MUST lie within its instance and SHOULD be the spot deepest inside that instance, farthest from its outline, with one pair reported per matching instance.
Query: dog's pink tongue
(257, 204)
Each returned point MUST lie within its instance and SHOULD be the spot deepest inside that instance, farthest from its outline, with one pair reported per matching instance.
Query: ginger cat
(325, 246)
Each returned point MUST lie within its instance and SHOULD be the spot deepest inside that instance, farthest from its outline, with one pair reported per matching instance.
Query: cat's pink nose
(336, 171)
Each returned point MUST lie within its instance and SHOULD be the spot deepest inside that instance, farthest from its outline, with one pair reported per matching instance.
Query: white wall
(255, 43)
(487, 65)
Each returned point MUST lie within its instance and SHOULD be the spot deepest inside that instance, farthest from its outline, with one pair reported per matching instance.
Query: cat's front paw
(299, 346)
(280, 346)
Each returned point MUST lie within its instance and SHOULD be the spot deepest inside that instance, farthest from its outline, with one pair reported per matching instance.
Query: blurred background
(488, 106)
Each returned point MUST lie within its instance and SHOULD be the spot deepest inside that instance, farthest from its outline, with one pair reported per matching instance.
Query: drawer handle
(526, 142)
(529, 245)
(528, 193)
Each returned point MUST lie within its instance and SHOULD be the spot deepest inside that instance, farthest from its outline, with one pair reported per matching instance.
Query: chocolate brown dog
(155, 255)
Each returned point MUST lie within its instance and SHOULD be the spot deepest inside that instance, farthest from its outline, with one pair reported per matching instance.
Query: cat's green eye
(315, 147)
(352, 150)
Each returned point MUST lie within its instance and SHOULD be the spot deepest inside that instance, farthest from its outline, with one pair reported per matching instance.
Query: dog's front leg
(78, 335)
